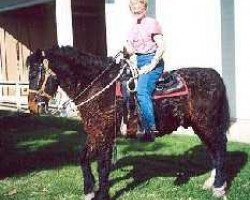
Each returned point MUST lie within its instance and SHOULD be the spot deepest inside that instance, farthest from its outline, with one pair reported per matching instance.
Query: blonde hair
(133, 3)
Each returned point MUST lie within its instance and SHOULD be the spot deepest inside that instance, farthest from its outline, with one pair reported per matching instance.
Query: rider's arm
(160, 49)
(158, 55)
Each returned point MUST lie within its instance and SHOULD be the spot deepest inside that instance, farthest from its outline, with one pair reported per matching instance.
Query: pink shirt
(141, 35)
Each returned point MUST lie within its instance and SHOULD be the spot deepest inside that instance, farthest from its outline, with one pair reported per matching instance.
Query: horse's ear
(46, 63)
(43, 54)
(28, 61)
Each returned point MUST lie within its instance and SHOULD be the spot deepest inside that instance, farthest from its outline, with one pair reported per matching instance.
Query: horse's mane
(78, 59)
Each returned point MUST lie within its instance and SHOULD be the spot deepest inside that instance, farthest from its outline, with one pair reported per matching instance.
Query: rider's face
(138, 10)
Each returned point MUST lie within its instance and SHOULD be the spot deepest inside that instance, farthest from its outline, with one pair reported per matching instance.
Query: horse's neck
(90, 75)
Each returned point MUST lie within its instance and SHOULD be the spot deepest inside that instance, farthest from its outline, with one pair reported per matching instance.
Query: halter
(48, 72)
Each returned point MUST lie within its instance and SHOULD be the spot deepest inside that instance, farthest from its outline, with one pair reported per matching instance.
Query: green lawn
(39, 160)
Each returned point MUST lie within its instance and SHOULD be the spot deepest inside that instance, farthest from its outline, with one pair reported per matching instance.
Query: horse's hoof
(220, 192)
(208, 184)
(89, 196)
(123, 130)
(98, 196)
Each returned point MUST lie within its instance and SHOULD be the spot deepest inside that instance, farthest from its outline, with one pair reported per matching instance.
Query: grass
(39, 160)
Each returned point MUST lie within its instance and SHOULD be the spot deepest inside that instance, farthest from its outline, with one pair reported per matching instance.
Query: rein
(101, 91)
(91, 84)
(135, 74)
(94, 81)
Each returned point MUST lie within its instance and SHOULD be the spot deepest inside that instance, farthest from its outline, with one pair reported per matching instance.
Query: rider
(145, 40)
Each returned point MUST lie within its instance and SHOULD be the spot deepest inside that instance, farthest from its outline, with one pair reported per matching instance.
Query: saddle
(170, 85)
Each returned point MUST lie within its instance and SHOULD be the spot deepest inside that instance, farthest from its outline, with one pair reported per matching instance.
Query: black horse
(90, 82)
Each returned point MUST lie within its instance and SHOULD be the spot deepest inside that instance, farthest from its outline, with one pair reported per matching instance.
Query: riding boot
(149, 135)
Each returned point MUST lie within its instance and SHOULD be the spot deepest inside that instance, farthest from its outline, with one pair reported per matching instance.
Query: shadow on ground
(192, 163)
(29, 143)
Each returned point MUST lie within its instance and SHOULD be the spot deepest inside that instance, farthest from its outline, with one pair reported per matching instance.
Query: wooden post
(18, 97)
(64, 23)
(64, 30)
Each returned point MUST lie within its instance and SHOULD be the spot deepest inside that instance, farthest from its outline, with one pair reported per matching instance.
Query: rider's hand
(148, 68)
(119, 57)
(144, 70)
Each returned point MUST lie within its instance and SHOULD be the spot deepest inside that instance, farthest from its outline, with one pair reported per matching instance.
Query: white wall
(192, 32)
(118, 22)
(242, 58)
(191, 28)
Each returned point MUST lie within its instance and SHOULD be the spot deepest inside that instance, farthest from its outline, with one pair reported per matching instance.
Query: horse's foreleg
(210, 181)
(104, 167)
(89, 180)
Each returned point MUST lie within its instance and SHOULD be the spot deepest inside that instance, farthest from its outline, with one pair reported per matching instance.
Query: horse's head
(42, 83)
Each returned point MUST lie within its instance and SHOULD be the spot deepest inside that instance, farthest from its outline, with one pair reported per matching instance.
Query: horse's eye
(32, 75)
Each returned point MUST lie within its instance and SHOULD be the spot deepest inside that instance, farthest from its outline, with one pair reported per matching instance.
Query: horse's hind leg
(89, 180)
(217, 150)
(219, 164)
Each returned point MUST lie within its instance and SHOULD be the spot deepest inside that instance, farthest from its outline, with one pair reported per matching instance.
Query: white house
(201, 33)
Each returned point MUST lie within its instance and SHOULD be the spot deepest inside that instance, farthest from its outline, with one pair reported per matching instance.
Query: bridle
(48, 73)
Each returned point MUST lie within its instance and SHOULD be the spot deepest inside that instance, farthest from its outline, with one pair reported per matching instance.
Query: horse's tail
(225, 110)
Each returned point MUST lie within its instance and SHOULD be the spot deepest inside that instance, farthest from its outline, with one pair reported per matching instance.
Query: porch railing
(14, 101)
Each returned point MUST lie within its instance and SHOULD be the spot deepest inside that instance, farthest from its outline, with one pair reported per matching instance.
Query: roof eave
(24, 4)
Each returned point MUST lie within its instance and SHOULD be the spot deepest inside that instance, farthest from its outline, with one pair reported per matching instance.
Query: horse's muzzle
(42, 107)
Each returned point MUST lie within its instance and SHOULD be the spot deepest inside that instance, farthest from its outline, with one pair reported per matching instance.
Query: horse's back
(204, 107)
(207, 78)
(208, 100)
